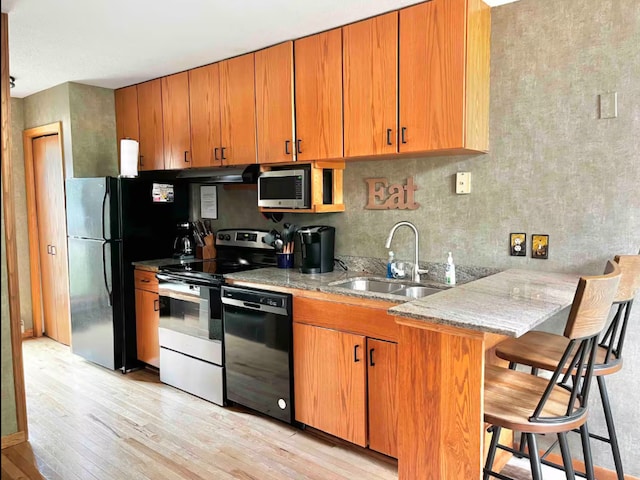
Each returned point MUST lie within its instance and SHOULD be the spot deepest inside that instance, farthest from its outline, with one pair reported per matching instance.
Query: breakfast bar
(442, 345)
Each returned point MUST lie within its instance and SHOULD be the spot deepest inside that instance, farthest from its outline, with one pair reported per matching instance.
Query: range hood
(239, 174)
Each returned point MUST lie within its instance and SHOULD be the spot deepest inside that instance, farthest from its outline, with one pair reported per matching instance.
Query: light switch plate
(463, 183)
(609, 105)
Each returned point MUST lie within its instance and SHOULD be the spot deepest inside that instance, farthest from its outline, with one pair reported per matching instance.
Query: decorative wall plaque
(385, 196)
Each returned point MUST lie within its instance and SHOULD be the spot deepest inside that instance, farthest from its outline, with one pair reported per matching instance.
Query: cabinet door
(204, 103)
(147, 321)
(431, 72)
(318, 74)
(370, 61)
(383, 404)
(330, 378)
(150, 117)
(175, 121)
(126, 100)
(238, 110)
(274, 104)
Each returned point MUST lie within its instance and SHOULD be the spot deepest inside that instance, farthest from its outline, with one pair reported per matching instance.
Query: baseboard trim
(27, 333)
(13, 439)
(601, 473)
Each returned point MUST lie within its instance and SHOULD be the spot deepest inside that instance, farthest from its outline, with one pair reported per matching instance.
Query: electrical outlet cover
(518, 244)
(540, 246)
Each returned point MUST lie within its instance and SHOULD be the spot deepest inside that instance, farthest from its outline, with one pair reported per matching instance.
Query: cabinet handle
(402, 134)
(286, 147)
(355, 353)
(222, 157)
(53, 250)
(156, 305)
(48, 249)
(185, 156)
(298, 146)
(389, 137)
(140, 160)
(145, 280)
(215, 154)
(371, 357)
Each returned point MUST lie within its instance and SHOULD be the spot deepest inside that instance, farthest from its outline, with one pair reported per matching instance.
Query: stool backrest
(592, 303)
(589, 312)
(613, 339)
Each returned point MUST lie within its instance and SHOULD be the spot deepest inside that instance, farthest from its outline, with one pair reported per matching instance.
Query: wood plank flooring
(89, 423)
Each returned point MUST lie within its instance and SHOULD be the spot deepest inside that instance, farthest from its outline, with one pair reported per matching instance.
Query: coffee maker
(317, 248)
(184, 244)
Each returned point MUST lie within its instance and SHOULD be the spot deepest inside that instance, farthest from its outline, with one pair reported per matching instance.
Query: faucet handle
(419, 271)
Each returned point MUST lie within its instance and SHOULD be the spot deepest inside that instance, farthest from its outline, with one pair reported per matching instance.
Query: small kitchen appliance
(184, 244)
(317, 248)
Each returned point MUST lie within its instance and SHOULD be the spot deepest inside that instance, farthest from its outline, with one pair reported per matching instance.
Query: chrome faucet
(416, 269)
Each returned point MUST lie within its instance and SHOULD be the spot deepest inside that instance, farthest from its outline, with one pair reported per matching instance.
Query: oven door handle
(172, 278)
(254, 306)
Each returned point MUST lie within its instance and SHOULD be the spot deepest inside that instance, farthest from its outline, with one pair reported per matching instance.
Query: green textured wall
(9, 419)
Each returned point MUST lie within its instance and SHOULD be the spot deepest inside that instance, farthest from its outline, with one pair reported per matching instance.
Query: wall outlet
(463, 183)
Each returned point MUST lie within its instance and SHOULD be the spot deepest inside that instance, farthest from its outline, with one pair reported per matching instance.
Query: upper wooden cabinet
(274, 104)
(150, 118)
(127, 114)
(238, 110)
(370, 76)
(176, 121)
(318, 96)
(444, 76)
(204, 101)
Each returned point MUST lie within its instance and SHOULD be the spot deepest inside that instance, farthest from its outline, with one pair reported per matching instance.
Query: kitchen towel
(128, 158)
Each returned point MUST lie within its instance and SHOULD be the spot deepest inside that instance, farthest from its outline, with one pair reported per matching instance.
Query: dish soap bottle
(390, 264)
(450, 272)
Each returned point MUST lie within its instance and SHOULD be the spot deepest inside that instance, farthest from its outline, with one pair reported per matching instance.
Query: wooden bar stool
(541, 350)
(532, 404)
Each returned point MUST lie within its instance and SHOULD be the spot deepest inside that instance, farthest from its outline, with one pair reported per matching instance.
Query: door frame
(32, 225)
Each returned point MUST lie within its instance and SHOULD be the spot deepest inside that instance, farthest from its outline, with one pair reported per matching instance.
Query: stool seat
(511, 397)
(544, 350)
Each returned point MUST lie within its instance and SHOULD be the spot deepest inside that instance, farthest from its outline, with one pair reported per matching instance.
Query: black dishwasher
(258, 350)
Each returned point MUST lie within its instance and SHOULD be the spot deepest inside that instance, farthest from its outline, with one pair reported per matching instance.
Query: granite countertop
(153, 265)
(508, 303)
(324, 282)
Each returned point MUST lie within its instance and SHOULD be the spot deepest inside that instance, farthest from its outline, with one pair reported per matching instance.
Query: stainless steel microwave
(284, 189)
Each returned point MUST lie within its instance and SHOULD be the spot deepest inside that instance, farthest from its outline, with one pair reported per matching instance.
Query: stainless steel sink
(381, 285)
(416, 292)
(371, 285)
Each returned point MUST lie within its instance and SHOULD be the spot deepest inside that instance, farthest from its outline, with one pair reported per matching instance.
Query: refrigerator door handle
(107, 194)
(104, 273)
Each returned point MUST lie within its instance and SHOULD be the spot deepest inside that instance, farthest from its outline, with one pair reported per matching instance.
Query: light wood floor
(86, 422)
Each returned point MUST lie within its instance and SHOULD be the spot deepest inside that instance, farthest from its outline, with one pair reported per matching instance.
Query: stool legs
(613, 439)
(566, 456)
(534, 457)
(586, 451)
(493, 446)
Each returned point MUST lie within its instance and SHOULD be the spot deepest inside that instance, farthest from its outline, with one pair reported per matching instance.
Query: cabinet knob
(371, 357)
(215, 154)
(286, 147)
(156, 305)
(389, 136)
(403, 133)
(185, 156)
(298, 146)
(355, 353)
(222, 157)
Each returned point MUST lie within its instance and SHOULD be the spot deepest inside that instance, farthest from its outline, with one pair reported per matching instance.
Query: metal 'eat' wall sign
(385, 196)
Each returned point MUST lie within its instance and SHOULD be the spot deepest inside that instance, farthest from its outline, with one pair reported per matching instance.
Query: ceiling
(115, 43)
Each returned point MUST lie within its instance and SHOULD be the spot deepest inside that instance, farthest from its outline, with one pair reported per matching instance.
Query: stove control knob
(227, 237)
(220, 236)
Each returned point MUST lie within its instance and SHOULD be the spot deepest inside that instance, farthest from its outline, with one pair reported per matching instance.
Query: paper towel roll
(128, 158)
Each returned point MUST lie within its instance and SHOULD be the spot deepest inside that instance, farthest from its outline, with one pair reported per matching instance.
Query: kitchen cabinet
(354, 395)
(370, 80)
(150, 124)
(444, 76)
(238, 112)
(382, 367)
(204, 107)
(126, 100)
(318, 96)
(147, 317)
(330, 395)
(176, 123)
(274, 104)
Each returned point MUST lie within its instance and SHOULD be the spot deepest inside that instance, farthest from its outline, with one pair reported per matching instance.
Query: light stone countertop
(508, 303)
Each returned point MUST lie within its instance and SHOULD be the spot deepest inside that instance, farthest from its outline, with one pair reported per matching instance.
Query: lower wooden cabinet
(147, 318)
(345, 386)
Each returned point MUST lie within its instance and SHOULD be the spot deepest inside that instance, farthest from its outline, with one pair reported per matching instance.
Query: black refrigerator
(112, 222)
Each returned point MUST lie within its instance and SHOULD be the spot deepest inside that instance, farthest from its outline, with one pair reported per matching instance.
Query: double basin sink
(381, 285)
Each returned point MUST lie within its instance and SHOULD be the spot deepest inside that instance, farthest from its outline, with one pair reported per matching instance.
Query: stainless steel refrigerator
(112, 222)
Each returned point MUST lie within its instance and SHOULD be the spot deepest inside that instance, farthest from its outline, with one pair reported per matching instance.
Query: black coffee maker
(317, 248)
(184, 244)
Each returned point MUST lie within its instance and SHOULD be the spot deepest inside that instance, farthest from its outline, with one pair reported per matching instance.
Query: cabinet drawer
(146, 280)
